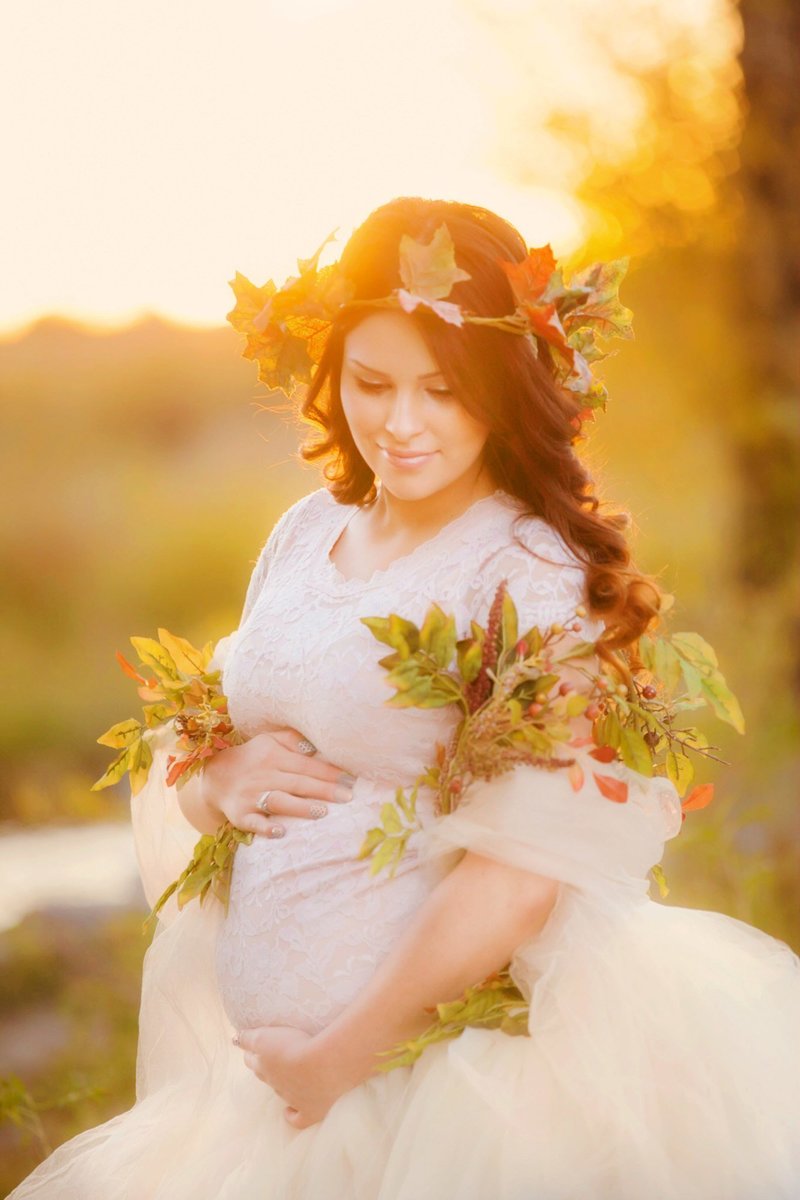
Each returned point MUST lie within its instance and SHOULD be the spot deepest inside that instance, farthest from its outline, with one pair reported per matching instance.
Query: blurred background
(150, 151)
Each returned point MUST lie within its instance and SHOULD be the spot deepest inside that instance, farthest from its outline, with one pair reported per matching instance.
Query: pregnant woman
(663, 1050)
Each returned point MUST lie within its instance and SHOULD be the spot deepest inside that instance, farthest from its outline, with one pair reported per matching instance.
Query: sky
(151, 150)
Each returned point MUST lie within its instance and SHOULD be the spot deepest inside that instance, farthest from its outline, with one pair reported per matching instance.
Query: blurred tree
(765, 290)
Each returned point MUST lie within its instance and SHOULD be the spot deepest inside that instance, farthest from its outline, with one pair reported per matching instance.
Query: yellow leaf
(121, 734)
(187, 658)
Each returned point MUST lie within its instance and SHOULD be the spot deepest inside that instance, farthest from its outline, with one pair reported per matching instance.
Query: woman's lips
(407, 461)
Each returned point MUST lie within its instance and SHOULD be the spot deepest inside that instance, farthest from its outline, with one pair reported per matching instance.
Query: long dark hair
(499, 379)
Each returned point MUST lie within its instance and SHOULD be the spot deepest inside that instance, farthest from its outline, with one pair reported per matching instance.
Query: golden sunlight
(156, 149)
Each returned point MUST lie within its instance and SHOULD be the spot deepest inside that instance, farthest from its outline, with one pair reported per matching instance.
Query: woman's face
(396, 399)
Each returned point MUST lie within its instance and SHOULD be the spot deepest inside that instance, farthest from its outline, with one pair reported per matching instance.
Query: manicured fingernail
(276, 831)
(235, 1039)
(343, 794)
(317, 810)
(347, 779)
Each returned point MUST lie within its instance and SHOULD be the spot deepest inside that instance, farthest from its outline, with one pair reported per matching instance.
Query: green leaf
(680, 770)
(158, 714)
(373, 838)
(508, 624)
(403, 635)
(723, 701)
(443, 643)
(391, 818)
(113, 773)
(187, 658)
(533, 637)
(153, 654)
(647, 653)
(667, 664)
(660, 879)
(140, 767)
(469, 654)
(692, 678)
(694, 648)
(121, 734)
(576, 704)
(634, 751)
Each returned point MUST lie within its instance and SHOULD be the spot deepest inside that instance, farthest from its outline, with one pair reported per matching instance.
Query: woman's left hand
(286, 1059)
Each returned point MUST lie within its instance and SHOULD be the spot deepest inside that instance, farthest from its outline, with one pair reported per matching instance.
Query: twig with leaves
(181, 693)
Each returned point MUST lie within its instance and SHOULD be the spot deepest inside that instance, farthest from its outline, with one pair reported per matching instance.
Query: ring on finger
(262, 803)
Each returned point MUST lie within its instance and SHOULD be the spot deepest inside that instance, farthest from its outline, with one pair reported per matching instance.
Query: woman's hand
(288, 1061)
(300, 785)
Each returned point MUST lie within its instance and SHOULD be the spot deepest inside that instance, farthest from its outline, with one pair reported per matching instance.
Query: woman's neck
(395, 516)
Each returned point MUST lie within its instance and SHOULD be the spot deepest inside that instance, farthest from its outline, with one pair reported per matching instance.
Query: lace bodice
(307, 923)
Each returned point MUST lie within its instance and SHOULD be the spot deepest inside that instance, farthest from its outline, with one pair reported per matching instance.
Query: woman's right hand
(300, 785)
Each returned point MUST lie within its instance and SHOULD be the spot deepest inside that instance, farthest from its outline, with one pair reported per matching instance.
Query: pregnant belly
(307, 924)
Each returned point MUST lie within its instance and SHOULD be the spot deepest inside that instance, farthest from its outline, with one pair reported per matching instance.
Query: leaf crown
(286, 328)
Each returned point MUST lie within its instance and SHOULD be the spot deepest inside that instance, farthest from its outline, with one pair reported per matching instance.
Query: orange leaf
(604, 753)
(529, 278)
(698, 797)
(612, 789)
(576, 776)
(176, 770)
(127, 668)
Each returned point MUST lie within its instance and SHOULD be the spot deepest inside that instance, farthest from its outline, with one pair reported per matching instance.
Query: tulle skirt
(662, 1060)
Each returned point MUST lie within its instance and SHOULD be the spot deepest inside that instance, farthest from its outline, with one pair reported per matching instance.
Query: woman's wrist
(196, 801)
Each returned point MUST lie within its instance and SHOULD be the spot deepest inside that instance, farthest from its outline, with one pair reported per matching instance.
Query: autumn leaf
(430, 271)
(576, 776)
(128, 669)
(612, 789)
(602, 753)
(699, 797)
(529, 278)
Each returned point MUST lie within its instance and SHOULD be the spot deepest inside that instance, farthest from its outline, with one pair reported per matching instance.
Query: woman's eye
(369, 387)
(444, 392)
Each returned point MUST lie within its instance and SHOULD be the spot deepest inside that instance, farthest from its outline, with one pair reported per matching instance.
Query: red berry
(563, 689)
(575, 627)
(455, 785)
(534, 709)
(593, 712)
(649, 692)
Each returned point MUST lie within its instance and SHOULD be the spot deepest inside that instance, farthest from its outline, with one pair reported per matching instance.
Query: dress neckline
(379, 573)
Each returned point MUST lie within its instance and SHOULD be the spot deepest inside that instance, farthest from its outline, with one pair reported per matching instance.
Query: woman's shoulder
(301, 514)
(543, 574)
(522, 537)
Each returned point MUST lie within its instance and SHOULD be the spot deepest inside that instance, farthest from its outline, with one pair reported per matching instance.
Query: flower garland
(286, 329)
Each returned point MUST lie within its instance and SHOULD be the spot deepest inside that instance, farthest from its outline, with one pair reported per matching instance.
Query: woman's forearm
(468, 927)
(195, 801)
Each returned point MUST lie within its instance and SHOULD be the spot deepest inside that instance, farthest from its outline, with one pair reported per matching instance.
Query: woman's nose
(405, 418)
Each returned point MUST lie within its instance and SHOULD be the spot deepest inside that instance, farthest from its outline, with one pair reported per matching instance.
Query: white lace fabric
(307, 922)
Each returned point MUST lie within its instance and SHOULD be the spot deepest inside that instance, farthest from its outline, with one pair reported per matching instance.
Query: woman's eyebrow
(364, 367)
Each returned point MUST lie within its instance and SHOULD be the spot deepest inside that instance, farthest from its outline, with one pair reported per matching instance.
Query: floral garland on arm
(516, 708)
(183, 695)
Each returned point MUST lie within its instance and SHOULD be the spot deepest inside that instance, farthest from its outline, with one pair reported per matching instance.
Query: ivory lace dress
(663, 1060)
